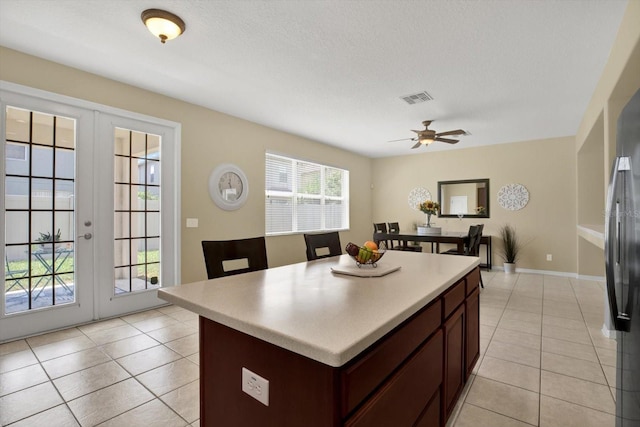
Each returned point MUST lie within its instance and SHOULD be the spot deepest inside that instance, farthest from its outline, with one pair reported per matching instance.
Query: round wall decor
(417, 196)
(513, 197)
(228, 187)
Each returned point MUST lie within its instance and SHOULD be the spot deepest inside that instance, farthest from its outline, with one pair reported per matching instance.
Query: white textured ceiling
(334, 70)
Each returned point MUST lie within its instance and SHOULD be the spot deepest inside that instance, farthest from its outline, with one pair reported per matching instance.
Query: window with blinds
(301, 196)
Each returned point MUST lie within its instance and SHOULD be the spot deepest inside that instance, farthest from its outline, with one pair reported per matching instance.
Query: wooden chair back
(329, 241)
(381, 227)
(475, 235)
(217, 253)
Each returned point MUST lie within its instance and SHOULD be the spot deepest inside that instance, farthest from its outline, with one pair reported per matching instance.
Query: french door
(138, 214)
(86, 233)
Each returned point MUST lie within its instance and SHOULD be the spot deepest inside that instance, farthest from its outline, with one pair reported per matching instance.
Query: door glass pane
(39, 222)
(136, 211)
(42, 131)
(65, 133)
(18, 125)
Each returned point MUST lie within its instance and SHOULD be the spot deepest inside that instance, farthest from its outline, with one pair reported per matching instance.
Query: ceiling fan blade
(447, 140)
(452, 132)
(418, 144)
(403, 139)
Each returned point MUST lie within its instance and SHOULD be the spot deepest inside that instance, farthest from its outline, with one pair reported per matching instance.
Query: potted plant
(511, 247)
(48, 237)
(429, 207)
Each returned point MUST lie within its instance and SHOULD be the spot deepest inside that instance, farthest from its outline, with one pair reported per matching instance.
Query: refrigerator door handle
(613, 244)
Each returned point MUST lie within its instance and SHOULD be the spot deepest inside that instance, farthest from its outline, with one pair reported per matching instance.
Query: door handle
(86, 236)
(613, 245)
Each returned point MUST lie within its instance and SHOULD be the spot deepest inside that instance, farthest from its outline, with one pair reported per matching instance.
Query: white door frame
(94, 302)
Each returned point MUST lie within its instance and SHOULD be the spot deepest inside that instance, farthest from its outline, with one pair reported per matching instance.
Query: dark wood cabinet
(361, 377)
(472, 334)
(431, 416)
(401, 400)
(411, 377)
(454, 357)
(461, 326)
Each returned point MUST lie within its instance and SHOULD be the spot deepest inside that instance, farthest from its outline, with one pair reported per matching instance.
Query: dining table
(458, 238)
(52, 261)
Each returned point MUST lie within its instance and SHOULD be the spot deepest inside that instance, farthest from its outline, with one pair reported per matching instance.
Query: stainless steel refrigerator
(622, 256)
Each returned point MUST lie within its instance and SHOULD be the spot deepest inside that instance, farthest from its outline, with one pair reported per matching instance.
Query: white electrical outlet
(549, 257)
(192, 222)
(255, 386)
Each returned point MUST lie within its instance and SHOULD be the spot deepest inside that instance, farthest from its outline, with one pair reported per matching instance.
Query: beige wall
(546, 167)
(596, 136)
(208, 138)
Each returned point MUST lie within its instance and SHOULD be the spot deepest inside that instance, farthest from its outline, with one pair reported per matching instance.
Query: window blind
(302, 196)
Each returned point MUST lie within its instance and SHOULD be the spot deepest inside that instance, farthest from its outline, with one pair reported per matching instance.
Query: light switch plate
(192, 222)
(255, 386)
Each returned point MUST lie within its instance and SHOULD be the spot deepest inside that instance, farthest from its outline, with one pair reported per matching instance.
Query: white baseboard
(554, 273)
(597, 278)
(609, 333)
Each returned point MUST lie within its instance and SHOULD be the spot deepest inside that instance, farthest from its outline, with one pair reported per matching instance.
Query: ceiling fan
(427, 136)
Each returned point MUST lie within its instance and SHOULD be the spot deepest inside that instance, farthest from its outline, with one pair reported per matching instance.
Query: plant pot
(509, 267)
(423, 230)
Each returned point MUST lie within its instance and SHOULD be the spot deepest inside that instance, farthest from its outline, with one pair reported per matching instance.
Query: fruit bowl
(363, 255)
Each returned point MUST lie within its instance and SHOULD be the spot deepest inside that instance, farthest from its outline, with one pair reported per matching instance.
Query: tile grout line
(503, 415)
(541, 350)
(595, 347)
(64, 401)
(480, 360)
(111, 359)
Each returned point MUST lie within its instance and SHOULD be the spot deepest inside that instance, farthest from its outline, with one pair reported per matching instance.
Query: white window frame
(294, 195)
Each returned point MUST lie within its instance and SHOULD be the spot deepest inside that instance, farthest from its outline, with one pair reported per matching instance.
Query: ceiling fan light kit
(426, 136)
(162, 24)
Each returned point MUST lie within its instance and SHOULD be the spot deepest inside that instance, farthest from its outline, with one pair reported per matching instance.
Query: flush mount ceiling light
(162, 24)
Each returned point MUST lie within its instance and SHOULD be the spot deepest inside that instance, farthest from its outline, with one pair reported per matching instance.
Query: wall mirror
(467, 198)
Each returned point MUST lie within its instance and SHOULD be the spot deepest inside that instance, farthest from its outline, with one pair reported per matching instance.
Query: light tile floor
(543, 362)
(135, 370)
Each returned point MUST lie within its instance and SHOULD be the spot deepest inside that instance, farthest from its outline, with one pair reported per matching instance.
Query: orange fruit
(371, 245)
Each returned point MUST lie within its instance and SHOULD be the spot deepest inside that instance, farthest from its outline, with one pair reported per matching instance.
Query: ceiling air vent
(416, 98)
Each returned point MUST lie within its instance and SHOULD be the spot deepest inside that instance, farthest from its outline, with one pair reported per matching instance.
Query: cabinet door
(403, 398)
(454, 368)
(472, 334)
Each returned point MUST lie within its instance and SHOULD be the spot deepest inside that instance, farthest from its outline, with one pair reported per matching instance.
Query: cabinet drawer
(431, 415)
(402, 399)
(473, 280)
(453, 298)
(368, 372)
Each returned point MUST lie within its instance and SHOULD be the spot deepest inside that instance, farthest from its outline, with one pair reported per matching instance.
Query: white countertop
(325, 316)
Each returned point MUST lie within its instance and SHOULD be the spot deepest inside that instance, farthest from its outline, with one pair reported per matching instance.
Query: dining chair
(325, 241)
(15, 276)
(222, 256)
(381, 227)
(394, 227)
(472, 246)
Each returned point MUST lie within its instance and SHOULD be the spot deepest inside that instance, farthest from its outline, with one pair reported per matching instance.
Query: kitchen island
(337, 349)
